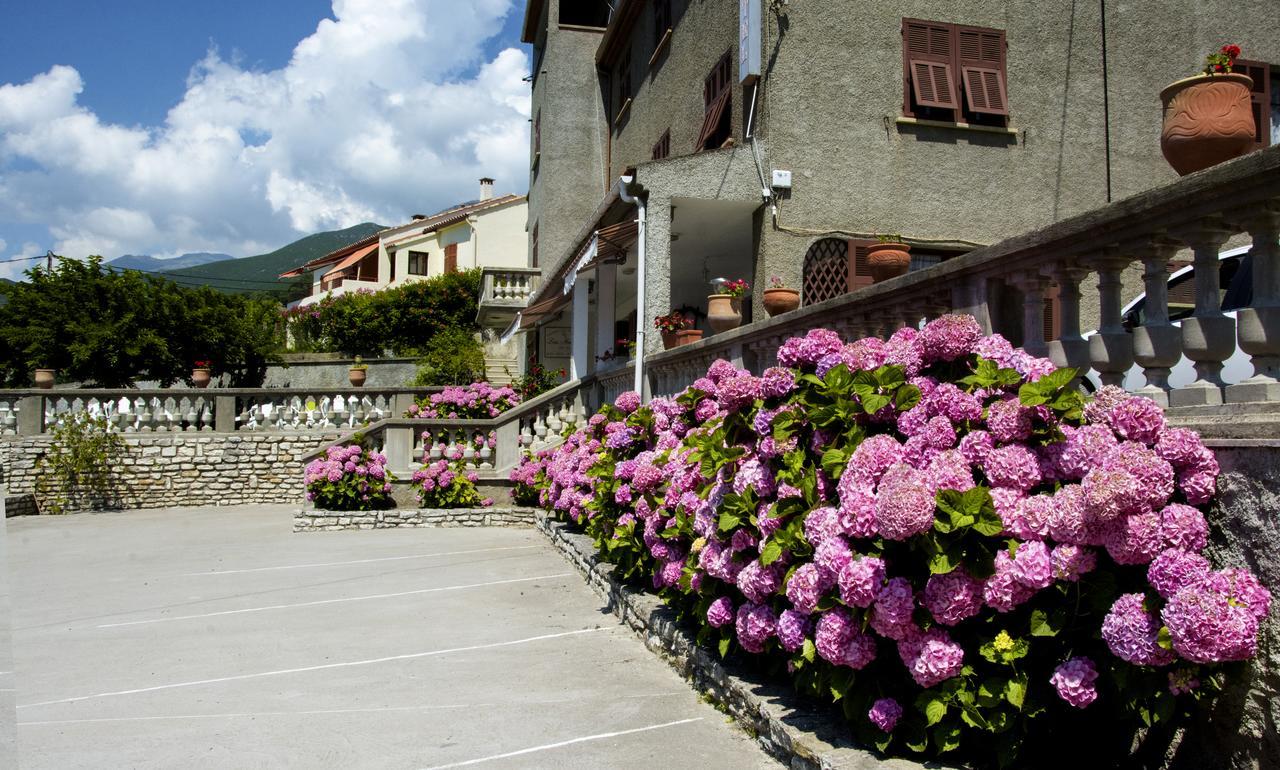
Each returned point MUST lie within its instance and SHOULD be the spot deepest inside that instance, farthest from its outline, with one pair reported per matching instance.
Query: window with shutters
(954, 73)
(417, 263)
(717, 117)
(624, 86)
(533, 246)
(451, 258)
(663, 147)
(1265, 102)
(537, 132)
(834, 266)
(661, 28)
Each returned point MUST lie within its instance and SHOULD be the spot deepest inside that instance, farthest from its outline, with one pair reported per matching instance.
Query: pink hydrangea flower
(953, 597)
(931, 657)
(860, 581)
(1130, 632)
(1074, 681)
(904, 504)
(885, 714)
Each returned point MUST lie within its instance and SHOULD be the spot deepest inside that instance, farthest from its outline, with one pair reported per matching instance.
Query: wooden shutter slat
(712, 119)
(933, 84)
(927, 41)
(1052, 313)
(984, 91)
(451, 258)
(859, 267)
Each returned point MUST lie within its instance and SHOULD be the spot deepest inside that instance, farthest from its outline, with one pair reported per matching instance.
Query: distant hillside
(155, 264)
(259, 273)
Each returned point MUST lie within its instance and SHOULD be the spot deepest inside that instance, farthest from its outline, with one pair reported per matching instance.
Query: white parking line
(334, 601)
(549, 746)
(374, 710)
(359, 561)
(322, 667)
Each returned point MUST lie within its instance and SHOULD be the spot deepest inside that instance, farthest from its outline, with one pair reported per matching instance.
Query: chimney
(486, 188)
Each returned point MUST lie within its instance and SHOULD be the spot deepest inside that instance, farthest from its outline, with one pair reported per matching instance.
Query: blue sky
(149, 126)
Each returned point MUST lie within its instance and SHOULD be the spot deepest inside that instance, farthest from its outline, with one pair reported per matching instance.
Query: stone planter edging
(314, 520)
(803, 734)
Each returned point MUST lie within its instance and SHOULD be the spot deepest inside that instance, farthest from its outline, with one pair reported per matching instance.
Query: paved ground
(217, 638)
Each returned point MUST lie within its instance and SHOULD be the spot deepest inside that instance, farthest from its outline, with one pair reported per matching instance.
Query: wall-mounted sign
(749, 44)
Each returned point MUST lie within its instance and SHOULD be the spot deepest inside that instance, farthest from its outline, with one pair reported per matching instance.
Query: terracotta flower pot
(1208, 119)
(778, 301)
(669, 340)
(724, 312)
(357, 377)
(44, 378)
(687, 336)
(200, 377)
(888, 260)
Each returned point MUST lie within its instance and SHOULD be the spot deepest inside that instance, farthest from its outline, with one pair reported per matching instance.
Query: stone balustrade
(495, 445)
(190, 410)
(1199, 213)
(508, 285)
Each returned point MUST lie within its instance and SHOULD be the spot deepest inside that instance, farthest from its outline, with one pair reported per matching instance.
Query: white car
(1235, 275)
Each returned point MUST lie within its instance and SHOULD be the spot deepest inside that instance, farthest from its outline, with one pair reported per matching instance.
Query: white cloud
(370, 120)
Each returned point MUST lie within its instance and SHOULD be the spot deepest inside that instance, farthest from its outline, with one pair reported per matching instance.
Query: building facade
(950, 124)
(484, 233)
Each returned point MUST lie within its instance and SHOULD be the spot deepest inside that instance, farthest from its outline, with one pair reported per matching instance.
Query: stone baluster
(1258, 326)
(1111, 348)
(1157, 343)
(1070, 349)
(190, 417)
(207, 415)
(1032, 285)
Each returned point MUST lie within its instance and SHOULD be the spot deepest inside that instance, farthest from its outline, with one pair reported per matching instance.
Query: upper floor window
(624, 84)
(717, 116)
(417, 263)
(451, 258)
(663, 148)
(954, 73)
(533, 246)
(662, 25)
(1266, 101)
(584, 13)
(537, 132)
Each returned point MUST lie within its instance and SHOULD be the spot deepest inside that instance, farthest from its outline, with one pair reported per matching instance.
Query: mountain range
(155, 264)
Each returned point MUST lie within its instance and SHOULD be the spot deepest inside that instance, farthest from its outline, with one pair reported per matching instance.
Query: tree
(110, 328)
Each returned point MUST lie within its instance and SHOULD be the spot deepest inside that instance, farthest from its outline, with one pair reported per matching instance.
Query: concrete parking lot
(200, 638)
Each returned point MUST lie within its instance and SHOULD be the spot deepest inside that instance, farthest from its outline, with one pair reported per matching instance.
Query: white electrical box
(781, 179)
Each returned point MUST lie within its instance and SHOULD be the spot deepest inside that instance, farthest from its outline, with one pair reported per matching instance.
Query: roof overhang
(618, 34)
(532, 13)
(352, 258)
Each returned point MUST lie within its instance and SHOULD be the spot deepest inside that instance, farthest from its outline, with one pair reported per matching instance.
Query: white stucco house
(487, 233)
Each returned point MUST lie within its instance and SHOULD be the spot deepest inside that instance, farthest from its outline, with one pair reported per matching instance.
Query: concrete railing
(1200, 212)
(495, 444)
(188, 410)
(508, 285)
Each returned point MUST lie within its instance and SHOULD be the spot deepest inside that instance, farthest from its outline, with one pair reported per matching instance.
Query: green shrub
(452, 356)
(78, 471)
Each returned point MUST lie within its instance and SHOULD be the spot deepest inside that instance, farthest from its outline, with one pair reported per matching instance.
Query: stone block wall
(313, 520)
(163, 470)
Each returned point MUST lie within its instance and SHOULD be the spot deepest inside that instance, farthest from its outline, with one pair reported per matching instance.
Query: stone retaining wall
(312, 520)
(20, 505)
(179, 469)
(803, 733)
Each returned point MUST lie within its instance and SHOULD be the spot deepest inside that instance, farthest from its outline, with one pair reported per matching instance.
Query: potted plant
(623, 348)
(1208, 118)
(357, 373)
(889, 258)
(44, 378)
(724, 310)
(200, 374)
(669, 326)
(778, 299)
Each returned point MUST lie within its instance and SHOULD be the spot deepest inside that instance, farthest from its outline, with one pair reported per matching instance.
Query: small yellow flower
(1003, 642)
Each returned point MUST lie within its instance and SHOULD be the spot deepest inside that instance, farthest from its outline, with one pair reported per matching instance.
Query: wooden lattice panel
(826, 270)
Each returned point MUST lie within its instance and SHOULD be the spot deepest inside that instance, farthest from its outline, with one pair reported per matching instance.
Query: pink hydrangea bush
(935, 529)
(477, 401)
(447, 484)
(349, 478)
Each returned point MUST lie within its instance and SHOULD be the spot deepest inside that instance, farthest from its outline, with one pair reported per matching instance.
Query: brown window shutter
(1052, 313)
(928, 53)
(859, 271)
(711, 121)
(537, 132)
(533, 247)
(451, 258)
(1260, 96)
(981, 56)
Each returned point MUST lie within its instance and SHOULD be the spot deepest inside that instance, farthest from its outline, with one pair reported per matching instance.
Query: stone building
(954, 124)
